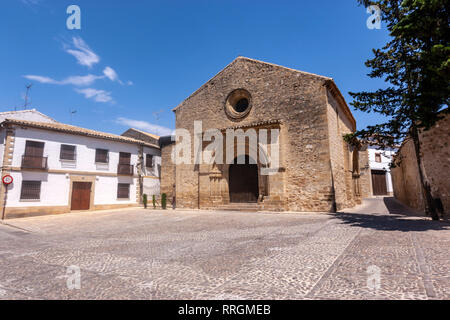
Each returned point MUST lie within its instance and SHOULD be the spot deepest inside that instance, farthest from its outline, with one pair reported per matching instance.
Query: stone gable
(305, 108)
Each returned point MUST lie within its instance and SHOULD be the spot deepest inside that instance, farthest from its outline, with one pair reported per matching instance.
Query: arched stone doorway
(243, 181)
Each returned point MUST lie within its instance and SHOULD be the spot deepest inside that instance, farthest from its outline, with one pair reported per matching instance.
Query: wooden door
(81, 195)
(379, 183)
(243, 183)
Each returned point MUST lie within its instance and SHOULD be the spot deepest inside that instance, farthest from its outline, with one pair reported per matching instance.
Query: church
(316, 170)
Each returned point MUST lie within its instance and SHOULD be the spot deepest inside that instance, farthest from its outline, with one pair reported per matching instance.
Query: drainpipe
(4, 202)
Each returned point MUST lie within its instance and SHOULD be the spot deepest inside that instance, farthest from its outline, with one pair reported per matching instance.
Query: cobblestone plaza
(153, 254)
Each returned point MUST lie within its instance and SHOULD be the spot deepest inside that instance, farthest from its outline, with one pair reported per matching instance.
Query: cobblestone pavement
(151, 254)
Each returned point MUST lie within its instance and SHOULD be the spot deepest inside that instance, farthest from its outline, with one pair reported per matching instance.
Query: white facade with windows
(379, 163)
(151, 171)
(59, 168)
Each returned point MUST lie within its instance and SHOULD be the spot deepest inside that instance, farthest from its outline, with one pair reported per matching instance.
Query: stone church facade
(318, 171)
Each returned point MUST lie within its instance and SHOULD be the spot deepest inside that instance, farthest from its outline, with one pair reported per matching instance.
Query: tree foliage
(415, 64)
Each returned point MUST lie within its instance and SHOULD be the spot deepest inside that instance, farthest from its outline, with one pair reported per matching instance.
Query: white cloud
(81, 51)
(146, 126)
(41, 79)
(111, 74)
(81, 80)
(96, 95)
(73, 80)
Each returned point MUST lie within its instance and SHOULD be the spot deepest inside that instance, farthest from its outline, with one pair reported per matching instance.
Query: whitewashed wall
(55, 187)
(85, 150)
(156, 170)
(106, 190)
(386, 159)
(151, 186)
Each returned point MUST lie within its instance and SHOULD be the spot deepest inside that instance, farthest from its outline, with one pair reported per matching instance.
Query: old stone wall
(365, 179)
(405, 178)
(345, 161)
(298, 101)
(436, 160)
(167, 172)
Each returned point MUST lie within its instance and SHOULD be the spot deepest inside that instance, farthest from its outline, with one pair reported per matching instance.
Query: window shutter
(101, 155)
(67, 152)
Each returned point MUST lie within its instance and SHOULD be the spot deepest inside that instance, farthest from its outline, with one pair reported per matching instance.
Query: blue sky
(133, 61)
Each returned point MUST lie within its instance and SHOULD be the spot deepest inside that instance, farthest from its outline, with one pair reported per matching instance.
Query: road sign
(7, 179)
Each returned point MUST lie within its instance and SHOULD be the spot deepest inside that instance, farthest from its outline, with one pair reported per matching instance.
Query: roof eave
(110, 138)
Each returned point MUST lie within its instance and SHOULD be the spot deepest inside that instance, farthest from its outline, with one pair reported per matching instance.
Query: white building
(58, 168)
(151, 172)
(379, 163)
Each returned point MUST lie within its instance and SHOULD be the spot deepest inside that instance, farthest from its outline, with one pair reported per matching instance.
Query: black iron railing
(34, 162)
(125, 169)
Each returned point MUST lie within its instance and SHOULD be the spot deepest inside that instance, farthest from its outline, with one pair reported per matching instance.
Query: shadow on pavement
(398, 220)
(396, 207)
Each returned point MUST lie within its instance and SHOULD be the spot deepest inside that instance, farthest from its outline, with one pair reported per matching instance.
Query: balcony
(34, 162)
(126, 169)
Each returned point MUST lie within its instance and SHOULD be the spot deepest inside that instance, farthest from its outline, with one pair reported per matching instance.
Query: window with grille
(149, 161)
(101, 155)
(67, 152)
(31, 190)
(377, 157)
(123, 190)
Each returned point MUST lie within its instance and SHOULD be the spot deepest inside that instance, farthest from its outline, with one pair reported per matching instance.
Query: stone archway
(243, 181)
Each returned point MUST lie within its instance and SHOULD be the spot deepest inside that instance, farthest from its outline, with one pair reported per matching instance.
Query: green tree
(163, 201)
(415, 64)
(144, 200)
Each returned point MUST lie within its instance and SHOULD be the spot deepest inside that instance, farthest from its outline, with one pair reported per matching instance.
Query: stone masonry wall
(365, 180)
(298, 101)
(167, 173)
(405, 178)
(336, 153)
(435, 146)
(341, 156)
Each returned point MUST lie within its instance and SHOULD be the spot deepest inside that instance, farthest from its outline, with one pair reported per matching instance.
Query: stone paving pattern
(153, 254)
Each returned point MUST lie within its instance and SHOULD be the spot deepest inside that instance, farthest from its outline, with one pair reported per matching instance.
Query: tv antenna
(72, 112)
(156, 115)
(28, 86)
